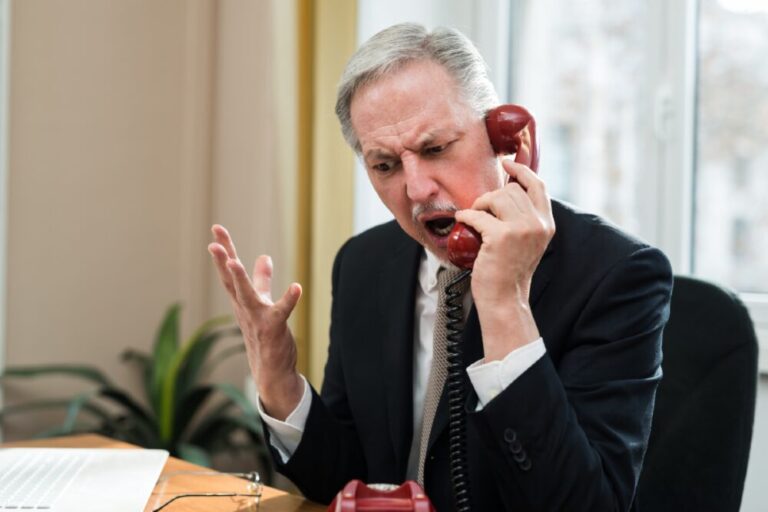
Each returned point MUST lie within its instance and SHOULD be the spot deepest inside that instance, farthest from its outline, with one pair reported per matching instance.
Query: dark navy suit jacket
(569, 434)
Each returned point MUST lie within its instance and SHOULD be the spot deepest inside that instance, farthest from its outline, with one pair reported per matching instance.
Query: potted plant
(182, 412)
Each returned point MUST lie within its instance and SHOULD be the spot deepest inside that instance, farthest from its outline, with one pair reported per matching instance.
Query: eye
(385, 167)
(435, 150)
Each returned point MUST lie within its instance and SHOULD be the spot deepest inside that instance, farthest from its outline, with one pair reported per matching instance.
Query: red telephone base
(359, 497)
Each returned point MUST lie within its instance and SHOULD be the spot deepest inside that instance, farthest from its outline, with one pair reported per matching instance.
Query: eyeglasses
(183, 485)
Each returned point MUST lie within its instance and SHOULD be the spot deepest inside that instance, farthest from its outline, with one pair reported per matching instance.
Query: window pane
(731, 212)
(584, 67)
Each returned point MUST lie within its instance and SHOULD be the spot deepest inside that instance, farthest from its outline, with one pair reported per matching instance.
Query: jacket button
(519, 456)
(515, 446)
(510, 435)
(525, 465)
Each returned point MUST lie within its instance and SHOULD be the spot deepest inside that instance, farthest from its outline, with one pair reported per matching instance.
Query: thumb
(289, 300)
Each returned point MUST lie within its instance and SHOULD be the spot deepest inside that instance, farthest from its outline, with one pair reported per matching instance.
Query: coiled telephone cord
(457, 392)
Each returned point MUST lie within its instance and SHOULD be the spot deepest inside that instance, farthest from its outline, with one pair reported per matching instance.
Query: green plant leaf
(211, 416)
(80, 403)
(212, 434)
(239, 399)
(144, 362)
(88, 373)
(191, 404)
(166, 346)
(96, 411)
(53, 403)
(221, 356)
(193, 454)
(73, 409)
(123, 398)
(128, 428)
(142, 420)
(197, 351)
(169, 399)
(233, 397)
(142, 359)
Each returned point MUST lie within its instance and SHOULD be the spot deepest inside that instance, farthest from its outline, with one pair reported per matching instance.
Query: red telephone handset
(511, 129)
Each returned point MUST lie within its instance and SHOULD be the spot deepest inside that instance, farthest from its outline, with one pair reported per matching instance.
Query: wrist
(506, 328)
(280, 395)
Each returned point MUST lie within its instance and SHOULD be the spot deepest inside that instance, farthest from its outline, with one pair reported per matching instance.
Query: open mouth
(440, 226)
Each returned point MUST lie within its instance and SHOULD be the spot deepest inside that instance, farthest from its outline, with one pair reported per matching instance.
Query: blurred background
(128, 127)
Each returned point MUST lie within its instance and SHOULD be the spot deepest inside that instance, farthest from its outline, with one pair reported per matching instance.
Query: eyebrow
(377, 154)
(423, 141)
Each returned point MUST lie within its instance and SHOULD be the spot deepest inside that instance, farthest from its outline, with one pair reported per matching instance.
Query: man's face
(427, 154)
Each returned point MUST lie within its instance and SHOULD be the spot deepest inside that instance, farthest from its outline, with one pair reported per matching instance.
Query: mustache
(432, 207)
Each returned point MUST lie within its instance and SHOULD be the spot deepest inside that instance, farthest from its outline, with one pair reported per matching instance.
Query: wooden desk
(271, 500)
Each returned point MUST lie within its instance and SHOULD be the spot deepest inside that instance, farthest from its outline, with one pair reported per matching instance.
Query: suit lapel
(396, 306)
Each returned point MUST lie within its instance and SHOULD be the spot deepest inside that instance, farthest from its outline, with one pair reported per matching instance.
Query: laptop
(78, 479)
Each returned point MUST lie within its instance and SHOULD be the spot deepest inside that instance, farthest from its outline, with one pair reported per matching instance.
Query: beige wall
(133, 126)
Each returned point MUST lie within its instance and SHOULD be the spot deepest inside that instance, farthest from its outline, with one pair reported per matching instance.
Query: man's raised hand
(269, 344)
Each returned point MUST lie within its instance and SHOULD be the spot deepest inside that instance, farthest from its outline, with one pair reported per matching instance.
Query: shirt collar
(428, 268)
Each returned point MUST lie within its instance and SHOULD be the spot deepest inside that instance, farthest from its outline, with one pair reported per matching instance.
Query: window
(621, 88)
(731, 194)
(582, 73)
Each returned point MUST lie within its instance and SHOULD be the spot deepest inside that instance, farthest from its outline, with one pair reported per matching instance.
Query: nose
(420, 184)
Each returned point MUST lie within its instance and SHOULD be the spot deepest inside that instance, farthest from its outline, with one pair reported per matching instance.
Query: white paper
(78, 479)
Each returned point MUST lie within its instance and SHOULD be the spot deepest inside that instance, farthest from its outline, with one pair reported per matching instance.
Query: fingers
(288, 301)
(529, 181)
(262, 277)
(221, 235)
(244, 292)
(482, 221)
(251, 292)
(525, 196)
(507, 203)
(222, 250)
(220, 258)
(510, 206)
(231, 272)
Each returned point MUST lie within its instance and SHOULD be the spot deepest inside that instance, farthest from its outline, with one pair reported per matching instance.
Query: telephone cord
(457, 392)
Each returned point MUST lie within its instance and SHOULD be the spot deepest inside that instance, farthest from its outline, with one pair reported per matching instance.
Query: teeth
(441, 227)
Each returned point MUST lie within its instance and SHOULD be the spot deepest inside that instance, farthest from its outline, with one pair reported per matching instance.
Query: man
(562, 338)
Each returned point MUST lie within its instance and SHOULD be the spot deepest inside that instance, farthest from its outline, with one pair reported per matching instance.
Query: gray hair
(392, 48)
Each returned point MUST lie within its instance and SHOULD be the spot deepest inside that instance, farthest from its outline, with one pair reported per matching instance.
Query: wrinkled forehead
(402, 70)
(418, 90)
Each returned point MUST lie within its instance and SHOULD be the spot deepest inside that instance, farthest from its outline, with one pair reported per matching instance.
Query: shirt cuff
(490, 379)
(285, 436)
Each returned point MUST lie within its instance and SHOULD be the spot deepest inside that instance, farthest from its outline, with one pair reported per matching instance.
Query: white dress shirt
(488, 379)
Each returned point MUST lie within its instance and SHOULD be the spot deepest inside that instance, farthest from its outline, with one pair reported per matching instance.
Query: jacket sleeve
(330, 438)
(572, 436)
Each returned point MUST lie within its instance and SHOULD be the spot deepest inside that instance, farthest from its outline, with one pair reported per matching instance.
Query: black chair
(702, 425)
